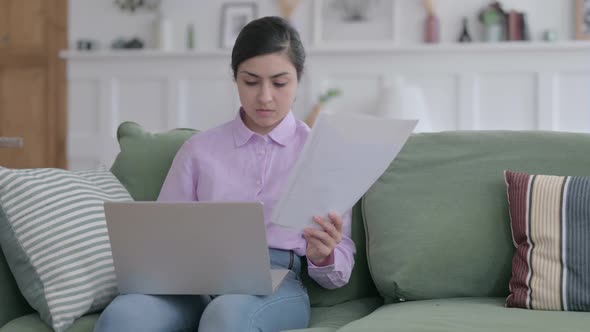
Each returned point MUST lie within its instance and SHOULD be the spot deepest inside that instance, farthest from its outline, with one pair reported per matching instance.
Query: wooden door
(33, 82)
(3, 24)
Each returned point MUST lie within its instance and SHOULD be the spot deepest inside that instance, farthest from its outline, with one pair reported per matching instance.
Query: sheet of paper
(343, 156)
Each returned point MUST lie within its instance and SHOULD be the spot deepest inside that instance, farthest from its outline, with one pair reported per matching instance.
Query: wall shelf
(136, 54)
(456, 48)
(344, 49)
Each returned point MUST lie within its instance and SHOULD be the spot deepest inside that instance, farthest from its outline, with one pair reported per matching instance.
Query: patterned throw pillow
(550, 218)
(54, 236)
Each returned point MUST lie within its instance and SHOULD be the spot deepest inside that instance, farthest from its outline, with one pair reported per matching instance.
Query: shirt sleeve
(181, 182)
(338, 274)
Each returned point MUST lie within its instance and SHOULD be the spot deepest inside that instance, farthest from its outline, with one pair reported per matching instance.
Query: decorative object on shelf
(431, 24)
(524, 24)
(465, 36)
(118, 43)
(583, 19)
(191, 38)
(86, 45)
(133, 43)
(352, 10)
(133, 5)
(324, 98)
(287, 8)
(550, 35)
(164, 33)
(517, 28)
(234, 16)
(353, 22)
(493, 18)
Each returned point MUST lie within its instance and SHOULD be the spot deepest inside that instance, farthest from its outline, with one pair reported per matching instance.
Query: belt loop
(291, 259)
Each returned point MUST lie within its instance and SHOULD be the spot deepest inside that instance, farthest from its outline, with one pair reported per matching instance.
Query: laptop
(192, 248)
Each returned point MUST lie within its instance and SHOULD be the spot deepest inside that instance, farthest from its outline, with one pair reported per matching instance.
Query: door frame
(57, 119)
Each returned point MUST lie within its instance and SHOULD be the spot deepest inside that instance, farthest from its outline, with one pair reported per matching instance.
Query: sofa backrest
(143, 163)
(437, 221)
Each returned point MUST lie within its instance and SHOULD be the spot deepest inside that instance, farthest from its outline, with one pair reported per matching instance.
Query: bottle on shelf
(191, 42)
(431, 24)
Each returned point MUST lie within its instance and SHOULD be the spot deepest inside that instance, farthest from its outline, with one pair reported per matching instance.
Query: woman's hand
(321, 242)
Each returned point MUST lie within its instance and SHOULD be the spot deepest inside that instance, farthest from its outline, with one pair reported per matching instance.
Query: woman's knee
(138, 312)
(246, 313)
(227, 313)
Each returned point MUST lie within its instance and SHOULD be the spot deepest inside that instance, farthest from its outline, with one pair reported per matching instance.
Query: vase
(164, 34)
(493, 33)
(432, 29)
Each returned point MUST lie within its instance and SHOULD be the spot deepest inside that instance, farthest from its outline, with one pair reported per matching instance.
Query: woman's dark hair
(268, 35)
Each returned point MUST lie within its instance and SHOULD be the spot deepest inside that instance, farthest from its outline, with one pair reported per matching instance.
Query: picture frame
(349, 22)
(583, 19)
(234, 16)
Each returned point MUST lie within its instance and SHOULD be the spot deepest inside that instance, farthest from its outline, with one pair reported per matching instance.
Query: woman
(248, 159)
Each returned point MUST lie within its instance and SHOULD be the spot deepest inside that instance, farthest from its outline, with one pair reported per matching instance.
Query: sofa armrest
(12, 303)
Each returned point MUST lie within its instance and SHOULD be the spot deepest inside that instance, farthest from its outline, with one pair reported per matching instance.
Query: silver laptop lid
(189, 248)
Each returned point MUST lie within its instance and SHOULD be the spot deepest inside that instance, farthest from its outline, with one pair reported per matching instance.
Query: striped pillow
(550, 218)
(54, 236)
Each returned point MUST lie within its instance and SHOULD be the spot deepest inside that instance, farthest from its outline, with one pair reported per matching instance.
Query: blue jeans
(287, 308)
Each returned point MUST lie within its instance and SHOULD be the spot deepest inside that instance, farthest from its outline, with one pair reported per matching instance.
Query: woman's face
(267, 85)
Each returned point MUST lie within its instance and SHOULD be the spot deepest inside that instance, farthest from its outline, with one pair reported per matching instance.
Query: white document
(343, 156)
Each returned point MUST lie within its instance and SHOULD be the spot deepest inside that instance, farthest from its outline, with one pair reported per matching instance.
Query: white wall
(514, 87)
(102, 21)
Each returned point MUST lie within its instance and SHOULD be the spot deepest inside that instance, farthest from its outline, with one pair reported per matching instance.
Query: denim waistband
(285, 259)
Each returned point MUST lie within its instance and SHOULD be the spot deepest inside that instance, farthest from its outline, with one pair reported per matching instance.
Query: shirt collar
(241, 133)
(280, 134)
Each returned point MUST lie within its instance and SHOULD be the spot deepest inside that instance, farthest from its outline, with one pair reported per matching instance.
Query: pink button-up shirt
(232, 163)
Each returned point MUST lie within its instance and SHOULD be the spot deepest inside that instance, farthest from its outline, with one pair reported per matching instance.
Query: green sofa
(434, 247)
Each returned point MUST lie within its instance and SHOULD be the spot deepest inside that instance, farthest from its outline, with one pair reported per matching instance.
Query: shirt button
(258, 182)
(261, 153)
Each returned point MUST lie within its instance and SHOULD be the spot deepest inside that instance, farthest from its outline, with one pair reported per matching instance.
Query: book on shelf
(517, 26)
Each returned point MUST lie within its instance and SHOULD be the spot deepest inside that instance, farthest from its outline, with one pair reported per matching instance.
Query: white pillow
(54, 236)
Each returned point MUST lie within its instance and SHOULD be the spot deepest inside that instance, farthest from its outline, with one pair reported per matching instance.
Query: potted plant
(493, 19)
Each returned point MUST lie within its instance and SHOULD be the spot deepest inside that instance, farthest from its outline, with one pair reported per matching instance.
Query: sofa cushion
(142, 166)
(468, 315)
(144, 159)
(344, 313)
(437, 220)
(33, 323)
(53, 233)
(550, 221)
(332, 318)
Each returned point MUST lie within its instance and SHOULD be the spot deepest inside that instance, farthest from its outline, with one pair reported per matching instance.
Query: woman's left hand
(321, 242)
